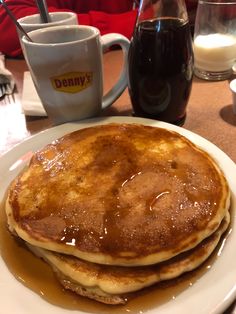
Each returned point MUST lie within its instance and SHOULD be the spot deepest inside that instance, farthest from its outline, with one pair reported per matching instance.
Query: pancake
(119, 194)
(116, 284)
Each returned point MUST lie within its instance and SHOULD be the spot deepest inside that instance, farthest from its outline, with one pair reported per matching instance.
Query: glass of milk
(215, 39)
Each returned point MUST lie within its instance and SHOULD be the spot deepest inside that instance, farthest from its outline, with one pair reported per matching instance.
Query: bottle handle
(117, 89)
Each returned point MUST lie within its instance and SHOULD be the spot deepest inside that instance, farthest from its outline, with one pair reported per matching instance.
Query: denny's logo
(72, 82)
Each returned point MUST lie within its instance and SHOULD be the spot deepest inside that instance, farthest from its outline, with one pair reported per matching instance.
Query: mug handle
(107, 41)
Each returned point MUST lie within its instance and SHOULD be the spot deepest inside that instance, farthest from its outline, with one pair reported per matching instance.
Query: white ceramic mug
(66, 64)
(33, 22)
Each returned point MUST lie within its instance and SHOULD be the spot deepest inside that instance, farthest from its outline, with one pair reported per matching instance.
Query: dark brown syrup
(38, 276)
(161, 69)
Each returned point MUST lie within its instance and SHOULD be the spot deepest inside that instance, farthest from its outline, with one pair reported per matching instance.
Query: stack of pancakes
(116, 208)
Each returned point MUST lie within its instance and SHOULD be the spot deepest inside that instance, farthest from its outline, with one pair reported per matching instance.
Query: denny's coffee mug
(66, 66)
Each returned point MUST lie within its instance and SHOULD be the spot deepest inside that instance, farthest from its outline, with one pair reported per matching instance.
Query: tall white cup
(33, 22)
(66, 64)
(215, 39)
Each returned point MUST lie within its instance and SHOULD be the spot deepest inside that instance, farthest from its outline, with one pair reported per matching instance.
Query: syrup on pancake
(119, 194)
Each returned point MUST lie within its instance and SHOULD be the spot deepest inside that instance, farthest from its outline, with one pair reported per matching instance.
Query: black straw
(43, 11)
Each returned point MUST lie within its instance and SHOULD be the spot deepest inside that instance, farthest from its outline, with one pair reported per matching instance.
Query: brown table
(209, 112)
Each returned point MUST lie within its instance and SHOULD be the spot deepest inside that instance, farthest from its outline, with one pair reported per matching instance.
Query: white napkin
(3, 70)
(30, 102)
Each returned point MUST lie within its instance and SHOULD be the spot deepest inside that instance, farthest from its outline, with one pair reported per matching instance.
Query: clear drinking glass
(215, 39)
(161, 61)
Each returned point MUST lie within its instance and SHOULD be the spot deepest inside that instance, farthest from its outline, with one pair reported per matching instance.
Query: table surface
(209, 111)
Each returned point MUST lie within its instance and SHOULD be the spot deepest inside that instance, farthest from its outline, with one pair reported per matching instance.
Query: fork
(6, 86)
(7, 91)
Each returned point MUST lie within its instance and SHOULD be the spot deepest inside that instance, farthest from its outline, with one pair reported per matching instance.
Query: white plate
(211, 294)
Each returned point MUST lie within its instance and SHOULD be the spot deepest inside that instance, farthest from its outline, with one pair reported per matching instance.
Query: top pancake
(119, 194)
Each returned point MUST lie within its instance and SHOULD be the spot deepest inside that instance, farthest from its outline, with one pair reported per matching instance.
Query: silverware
(14, 19)
(43, 11)
(7, 83)
(6, 86)
(7, 99)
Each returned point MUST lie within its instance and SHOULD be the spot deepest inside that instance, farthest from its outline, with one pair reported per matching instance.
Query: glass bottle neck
(153, 9)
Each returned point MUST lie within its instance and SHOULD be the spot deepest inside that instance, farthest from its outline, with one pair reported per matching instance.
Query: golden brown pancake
(115, 284)
(119, 194)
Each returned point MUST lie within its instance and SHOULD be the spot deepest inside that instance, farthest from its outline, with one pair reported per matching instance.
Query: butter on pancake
(115, 284)
(119, 194)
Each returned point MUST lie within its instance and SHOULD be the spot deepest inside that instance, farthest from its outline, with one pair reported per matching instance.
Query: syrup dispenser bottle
(161, 61)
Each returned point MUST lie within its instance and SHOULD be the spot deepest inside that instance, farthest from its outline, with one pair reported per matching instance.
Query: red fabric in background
(107, 15)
